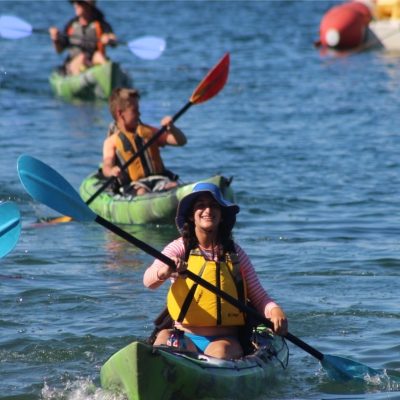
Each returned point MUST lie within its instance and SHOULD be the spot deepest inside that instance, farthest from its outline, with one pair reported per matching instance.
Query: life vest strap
(189, 297)
(142, 155)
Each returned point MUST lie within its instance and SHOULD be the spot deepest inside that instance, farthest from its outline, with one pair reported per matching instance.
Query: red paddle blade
(213, 82)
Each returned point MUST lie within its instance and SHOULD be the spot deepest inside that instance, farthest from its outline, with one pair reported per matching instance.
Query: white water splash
(81, 389)
(385, 381)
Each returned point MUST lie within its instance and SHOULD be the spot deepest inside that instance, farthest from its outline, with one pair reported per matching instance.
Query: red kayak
(345, 26)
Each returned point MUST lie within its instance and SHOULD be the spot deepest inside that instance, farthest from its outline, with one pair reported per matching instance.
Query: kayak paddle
(10, 227)
(47, 186)
(146, 47)
(209, 87)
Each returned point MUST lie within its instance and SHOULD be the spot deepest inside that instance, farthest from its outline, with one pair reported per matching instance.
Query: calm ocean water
(312, 141)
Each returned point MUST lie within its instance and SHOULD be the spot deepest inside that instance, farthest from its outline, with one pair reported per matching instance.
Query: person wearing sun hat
(85, 36)
(228, 209)
(206, 323)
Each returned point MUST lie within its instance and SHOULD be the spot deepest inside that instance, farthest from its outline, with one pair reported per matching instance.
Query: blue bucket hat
(185, 205)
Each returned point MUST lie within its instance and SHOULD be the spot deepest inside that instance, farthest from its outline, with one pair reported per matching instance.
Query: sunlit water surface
(312, 142)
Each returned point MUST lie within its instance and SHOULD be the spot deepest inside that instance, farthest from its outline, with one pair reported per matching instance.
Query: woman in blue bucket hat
(203, 322)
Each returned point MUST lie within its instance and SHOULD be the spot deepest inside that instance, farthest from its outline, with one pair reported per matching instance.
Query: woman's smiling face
(206, 213)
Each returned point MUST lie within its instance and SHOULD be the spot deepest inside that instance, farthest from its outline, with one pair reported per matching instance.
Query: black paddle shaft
(135, 241)
(139, 153)
(235, 302)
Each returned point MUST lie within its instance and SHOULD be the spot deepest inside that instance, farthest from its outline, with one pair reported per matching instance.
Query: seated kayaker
(210, 324)
(85, 36)
(127, 136)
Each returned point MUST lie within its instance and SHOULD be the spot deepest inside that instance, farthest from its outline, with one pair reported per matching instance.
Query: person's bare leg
(171, 185)
(99, 58)
(226, 348)
(75, 66)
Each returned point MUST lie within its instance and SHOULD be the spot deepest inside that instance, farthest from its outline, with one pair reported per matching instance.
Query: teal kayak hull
(142, 372)
(158, 207)
(95, 83)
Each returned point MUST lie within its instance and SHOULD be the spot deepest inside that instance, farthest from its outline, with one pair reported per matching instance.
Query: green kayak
(96, 83)
(143, 372)
(156, 207)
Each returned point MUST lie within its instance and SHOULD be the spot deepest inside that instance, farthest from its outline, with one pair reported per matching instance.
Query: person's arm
(108, 37)
(59, 40)
(109, 167)
(158, 272)
(258, 296)
(278, 318)
(174, 136)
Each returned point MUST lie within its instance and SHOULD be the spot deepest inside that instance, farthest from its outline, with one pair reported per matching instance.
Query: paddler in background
(126, 136)
(204, 322)
(85, 36)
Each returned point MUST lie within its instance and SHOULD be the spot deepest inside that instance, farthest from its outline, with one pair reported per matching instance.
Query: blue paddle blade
(147, 47)
(14, 28)
(10, 227)
(340, 368)
(47, 186)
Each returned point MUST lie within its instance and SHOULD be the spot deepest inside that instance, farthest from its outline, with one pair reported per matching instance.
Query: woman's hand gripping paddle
(47, 186)
(146, 47)
(10, 227)
(209, 87)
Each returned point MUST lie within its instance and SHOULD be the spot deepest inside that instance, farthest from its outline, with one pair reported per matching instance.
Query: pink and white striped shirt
(255, 292)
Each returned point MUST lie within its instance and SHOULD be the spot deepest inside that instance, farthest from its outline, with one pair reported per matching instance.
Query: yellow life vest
(191, 304)
(148, 163)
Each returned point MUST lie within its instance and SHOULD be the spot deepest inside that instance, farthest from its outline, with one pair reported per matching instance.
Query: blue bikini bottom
(201, 342)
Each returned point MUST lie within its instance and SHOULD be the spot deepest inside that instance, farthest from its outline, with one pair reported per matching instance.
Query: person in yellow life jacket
(203, 321)
(85, 36)
(127, 136)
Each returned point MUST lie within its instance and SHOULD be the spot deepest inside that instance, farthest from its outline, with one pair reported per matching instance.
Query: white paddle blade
(147, 47)
(14, 28)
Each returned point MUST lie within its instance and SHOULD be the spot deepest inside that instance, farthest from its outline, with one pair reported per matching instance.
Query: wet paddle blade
(14, 28)
(213, 82)
(10, 227)
(47, 186)
(147, 47)
(340, 368)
